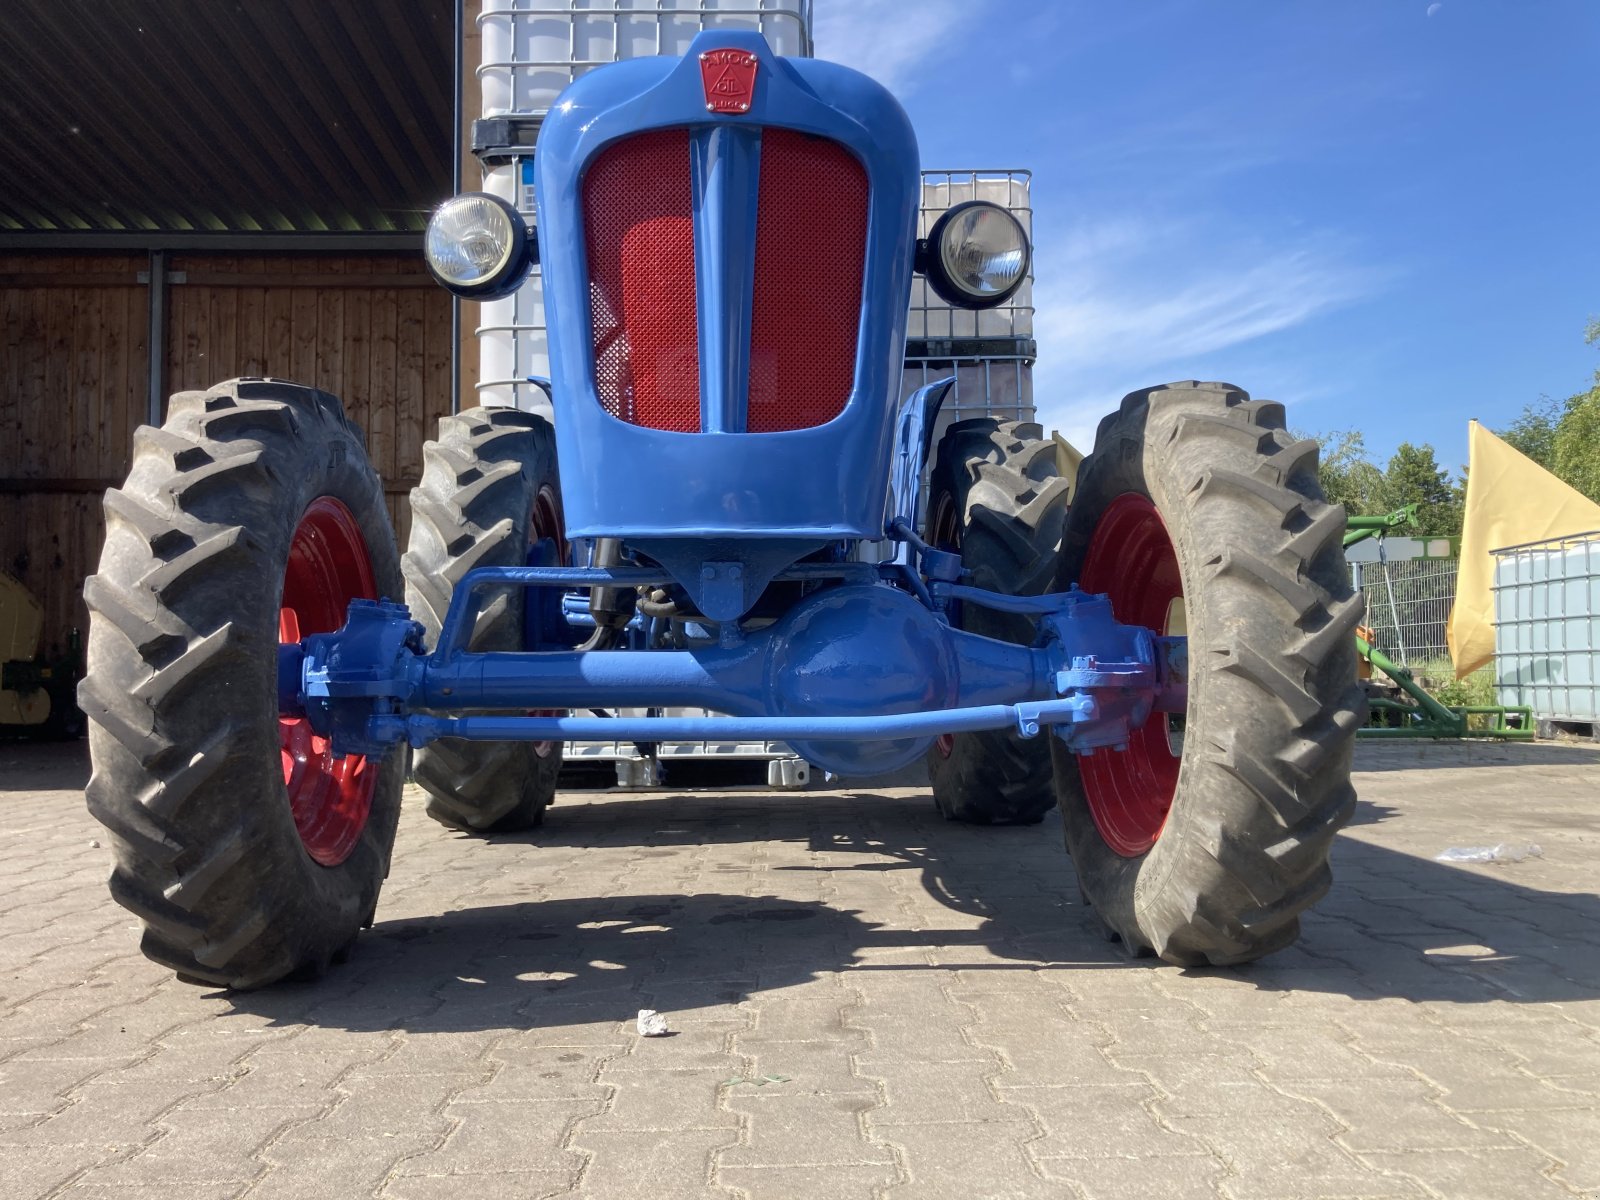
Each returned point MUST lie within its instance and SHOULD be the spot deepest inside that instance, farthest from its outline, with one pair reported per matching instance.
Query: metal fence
(1408, 606)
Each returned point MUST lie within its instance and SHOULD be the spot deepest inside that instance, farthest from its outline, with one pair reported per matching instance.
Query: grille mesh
(811, 237)
(639, 236)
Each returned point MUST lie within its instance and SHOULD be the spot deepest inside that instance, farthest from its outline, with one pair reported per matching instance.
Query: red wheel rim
(330, 796)
(944, 532)
(545, 524)
(1131, 559)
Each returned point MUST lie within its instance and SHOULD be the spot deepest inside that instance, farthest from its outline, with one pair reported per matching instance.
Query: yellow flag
(1511, 500)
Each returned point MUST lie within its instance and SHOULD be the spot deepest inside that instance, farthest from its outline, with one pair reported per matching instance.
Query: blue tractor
(727, 243)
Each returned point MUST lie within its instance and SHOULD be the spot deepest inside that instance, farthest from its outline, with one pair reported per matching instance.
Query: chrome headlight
(976, 255)
(478, 246)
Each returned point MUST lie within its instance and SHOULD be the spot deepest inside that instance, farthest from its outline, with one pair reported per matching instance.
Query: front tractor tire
(1208, 836)
(249, 851)
(997, 498)
(489, 491)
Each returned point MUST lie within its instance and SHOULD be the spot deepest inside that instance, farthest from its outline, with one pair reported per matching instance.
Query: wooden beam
(320, 280)
(63, 279)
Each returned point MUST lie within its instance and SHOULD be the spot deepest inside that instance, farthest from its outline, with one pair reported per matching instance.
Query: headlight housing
(478, 246)
(976, 255)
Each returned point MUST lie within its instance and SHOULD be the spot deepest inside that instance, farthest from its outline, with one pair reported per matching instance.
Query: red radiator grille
(811, 239)
(639, 235)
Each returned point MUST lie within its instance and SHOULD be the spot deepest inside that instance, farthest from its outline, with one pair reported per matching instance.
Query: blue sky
(1384, 213)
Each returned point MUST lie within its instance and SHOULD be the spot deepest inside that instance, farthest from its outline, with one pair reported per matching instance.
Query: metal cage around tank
(988, 354)
(1547, 628)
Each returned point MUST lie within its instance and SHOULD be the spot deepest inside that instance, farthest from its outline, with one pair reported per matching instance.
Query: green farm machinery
(1406, 709)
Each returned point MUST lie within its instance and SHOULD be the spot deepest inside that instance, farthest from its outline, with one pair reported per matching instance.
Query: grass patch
(1439, 678)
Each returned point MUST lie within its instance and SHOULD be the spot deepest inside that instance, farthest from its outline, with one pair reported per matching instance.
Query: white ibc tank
(931, 317)
(512, 341)
(995, 377)
(532, 50)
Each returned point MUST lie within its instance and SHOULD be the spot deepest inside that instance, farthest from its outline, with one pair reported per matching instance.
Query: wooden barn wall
(74, 377)
(373, 329)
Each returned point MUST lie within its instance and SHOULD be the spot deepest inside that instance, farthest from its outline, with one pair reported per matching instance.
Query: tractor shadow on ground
(30, 766)
(1394, 925)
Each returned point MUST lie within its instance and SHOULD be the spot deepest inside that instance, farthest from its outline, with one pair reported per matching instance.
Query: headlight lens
(477, 246)
(978, 255)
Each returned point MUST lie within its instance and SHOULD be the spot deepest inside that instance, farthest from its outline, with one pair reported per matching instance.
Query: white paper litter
(652, 1023)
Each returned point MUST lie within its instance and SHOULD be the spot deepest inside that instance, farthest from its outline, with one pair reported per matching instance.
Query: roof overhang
(180, 123)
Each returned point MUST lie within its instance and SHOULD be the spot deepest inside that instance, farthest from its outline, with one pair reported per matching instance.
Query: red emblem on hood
(729, 78)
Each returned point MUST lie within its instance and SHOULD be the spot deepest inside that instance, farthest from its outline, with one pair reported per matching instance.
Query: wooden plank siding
(74, 374)
(74, 370)
(372, 329)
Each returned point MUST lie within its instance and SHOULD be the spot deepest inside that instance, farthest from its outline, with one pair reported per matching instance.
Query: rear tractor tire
(249, 850)
(1206, 838)
(489, 491)
(998, 499)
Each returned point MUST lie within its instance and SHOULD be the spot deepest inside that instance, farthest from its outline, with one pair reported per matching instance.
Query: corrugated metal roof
(211, 115)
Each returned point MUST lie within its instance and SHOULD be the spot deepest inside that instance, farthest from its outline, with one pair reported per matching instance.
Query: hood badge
(729, 79)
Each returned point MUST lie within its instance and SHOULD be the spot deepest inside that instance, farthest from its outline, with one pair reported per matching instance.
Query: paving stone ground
(867, 1002)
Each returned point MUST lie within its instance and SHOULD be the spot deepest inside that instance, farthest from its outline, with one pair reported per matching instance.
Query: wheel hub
(330, 796)
(1131, 559)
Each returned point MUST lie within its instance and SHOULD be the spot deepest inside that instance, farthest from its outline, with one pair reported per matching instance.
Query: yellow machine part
(24, 708)
(1363, 663)
(21, 619)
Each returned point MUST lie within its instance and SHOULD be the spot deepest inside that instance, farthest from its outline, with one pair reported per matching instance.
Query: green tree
(1414, 476)
(1346, 472)
(1534, 432)
(1576, 454)
(1564, 437)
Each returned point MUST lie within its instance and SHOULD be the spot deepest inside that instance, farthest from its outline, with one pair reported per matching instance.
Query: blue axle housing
(858, 677)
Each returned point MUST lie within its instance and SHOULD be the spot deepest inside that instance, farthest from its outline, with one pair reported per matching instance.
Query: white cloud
(1125, 303)
(890, 39)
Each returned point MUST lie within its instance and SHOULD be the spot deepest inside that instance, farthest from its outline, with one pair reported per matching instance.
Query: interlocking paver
(958, 1161)
(1567, 1135)
(797, 1130)
(1394, 1114)
(663, 1100)
(504, 1136)
(786, 1183)
(191, 1191)
(1115, 1121)
(866, 1001)
(303, 1168)
(923, 1093)
(204, 1145)
(1476, 1174)
(1189, 1177)
(812, 1068)
(672, 1165)
(1301, 1051)
(36, 1170)
(522, 1184)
